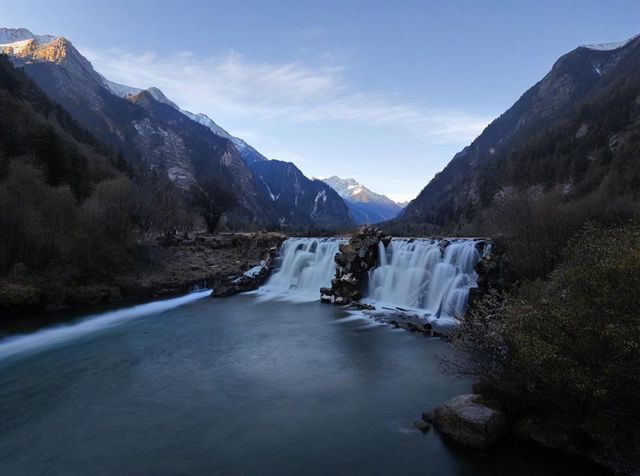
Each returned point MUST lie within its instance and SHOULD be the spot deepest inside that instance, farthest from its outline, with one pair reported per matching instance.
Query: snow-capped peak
(352, 190)
(207, 122)
(10, 36)
(610, 46)
(124, 91)
(118, 89)
(365, 206)
(160, 97)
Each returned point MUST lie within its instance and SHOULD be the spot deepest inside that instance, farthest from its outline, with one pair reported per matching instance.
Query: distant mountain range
(575, 135)
(152, 132)
(366, 206)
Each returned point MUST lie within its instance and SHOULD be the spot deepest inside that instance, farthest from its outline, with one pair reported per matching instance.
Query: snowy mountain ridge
(12, 36)
(353, 190)
(366, 206)
(610, 46)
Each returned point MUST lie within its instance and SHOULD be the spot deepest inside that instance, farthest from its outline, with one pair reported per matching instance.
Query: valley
(176, 300)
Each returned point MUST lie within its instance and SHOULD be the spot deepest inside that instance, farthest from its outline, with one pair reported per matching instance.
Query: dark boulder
(471, 420)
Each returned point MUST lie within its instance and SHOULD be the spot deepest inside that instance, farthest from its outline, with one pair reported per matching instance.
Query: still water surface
(237, 386)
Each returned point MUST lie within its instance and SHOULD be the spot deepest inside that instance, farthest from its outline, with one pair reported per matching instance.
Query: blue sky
(385, 92)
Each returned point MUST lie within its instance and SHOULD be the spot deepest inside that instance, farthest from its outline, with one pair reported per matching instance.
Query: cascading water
(305, 265)
(418, 274)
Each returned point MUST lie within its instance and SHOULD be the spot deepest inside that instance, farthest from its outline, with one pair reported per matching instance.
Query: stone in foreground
(471, 420)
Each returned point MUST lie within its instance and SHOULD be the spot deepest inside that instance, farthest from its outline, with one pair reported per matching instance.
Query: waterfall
(303, 267)
(418, 274)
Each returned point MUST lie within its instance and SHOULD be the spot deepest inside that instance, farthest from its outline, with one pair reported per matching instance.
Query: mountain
(295, 199)
(366, 206)
(574, 135)
(153, 133)
(292, 194)
(37, 131)
(67, 205)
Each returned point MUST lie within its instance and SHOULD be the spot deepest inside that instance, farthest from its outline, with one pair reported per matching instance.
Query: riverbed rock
(247, 281)
(471, 420)
(403, 319)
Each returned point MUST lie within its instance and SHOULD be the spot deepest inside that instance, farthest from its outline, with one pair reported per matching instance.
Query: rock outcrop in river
(353, 262)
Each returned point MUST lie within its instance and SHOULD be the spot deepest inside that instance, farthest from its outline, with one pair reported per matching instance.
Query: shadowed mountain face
(152, 132)
(38, 132)
(366, 206)
(293, 195)
(572, 133)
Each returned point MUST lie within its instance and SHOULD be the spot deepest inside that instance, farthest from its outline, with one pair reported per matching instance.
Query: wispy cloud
(291, 92)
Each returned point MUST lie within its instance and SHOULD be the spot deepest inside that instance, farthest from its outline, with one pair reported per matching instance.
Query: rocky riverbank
(166, 266)
(479, 421)
(208, 260)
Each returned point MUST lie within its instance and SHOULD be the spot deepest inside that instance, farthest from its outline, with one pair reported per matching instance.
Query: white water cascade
(52, 336)
(417, 274)
(306, 265)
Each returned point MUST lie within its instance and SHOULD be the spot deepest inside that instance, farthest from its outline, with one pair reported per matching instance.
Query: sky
(385, 92)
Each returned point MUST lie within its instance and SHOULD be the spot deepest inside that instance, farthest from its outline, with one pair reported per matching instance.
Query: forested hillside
(71, 210)
(573, 136)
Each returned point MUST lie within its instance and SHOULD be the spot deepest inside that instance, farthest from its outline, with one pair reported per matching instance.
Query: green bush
(568, 349)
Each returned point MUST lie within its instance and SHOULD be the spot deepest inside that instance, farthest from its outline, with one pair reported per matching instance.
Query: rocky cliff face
(519, 149)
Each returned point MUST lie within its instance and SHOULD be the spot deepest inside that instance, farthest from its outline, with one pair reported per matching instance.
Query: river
(235, 386)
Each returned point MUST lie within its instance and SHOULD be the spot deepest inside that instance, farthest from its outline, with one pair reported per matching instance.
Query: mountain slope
(154, 133)
(295, 200)
(293, 194)
(146, 130)
(366, 206)
(66, 202)
(568, 133)
(36, 130)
